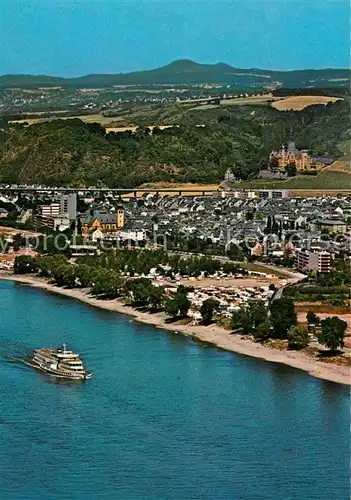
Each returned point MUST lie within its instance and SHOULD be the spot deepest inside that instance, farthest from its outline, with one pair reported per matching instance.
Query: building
(3, 213)
(333, 226)
(257, 250)
(306, 260)
(303, 161)
(108, 223)
(81, 250)
(229, 176)
(65, 208)
(133, 235)
(58, 223)
(242, 194)
(273, 193)
(68, 206)
(52, 210)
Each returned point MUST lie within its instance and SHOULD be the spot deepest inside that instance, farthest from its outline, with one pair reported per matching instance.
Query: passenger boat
(59, 362)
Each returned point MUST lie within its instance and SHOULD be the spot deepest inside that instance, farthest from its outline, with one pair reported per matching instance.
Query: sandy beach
(213, 334)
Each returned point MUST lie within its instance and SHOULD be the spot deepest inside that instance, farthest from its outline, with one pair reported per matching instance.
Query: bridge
(134, 191)
(195, 191)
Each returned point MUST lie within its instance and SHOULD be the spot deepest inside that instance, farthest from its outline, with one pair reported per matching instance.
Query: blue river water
(162, 418)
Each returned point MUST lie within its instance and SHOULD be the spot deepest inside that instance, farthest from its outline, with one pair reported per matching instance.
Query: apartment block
(306, 260)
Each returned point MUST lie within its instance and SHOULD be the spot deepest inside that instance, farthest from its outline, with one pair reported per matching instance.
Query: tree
(263, 331)
(12, 215)
(274, 164)
(139, 289)
(333, 332)
(291, 169)
(84, 274)
(106, 283)
(18, 241)
(235, 252)
(64, 275)
(79, 226)
(179, 305)
(282, 316)
(297, 337)
(47, 264)
(257, 312)
(155, 297)
(24, 264)
(171, 308)
(207, 309)
(183, 305)
(272, 287)
(312, 318)
(268, 227)
(241, 322)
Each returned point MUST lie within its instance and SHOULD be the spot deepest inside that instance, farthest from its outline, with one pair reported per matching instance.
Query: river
(162, 417)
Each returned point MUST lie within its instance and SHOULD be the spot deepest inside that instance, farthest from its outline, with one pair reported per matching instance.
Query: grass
(236, 101)
(304, 307)
(342, 164)
(324, 181)
(252, 266)
(252, 100)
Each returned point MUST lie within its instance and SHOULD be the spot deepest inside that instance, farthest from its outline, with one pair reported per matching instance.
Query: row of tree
(109, 283)
(166, 264)
(279, 321)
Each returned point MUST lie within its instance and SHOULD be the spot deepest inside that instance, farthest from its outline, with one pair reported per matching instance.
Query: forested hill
(69, 152)
(190, 72)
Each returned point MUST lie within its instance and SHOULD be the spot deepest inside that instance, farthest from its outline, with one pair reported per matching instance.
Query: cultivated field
(105, 121)
(324, 181)
(94, 118)
(338, 183)
(165, 185)
(342, 164)
(133, 128)
(297, 103)
(254, 100)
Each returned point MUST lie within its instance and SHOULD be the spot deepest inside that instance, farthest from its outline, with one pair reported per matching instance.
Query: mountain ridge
(186, 71)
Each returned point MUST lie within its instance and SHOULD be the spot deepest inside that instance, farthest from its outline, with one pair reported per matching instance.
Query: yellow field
(97, 118)
(165, 185)
(133, 128)
(297, 103)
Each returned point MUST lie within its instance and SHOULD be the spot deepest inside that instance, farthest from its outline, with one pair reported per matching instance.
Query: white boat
(59, 362)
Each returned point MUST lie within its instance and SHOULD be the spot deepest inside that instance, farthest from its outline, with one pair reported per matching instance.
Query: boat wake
(13, 349)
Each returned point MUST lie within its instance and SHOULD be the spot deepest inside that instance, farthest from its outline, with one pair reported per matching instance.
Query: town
(228, 248)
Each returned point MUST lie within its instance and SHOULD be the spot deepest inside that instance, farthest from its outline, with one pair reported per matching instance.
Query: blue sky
(72, 38)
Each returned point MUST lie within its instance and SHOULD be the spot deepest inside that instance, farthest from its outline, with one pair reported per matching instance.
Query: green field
(325, 180)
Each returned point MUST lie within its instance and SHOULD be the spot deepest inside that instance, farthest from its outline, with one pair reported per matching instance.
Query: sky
(73, 38)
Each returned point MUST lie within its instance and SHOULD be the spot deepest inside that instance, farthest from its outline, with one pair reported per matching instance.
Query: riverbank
(213, 334)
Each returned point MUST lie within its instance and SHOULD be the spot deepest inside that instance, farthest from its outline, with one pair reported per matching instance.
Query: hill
(190, 72)
(70, 152)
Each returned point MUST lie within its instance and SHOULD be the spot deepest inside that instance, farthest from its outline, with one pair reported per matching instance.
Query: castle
(301, 159)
